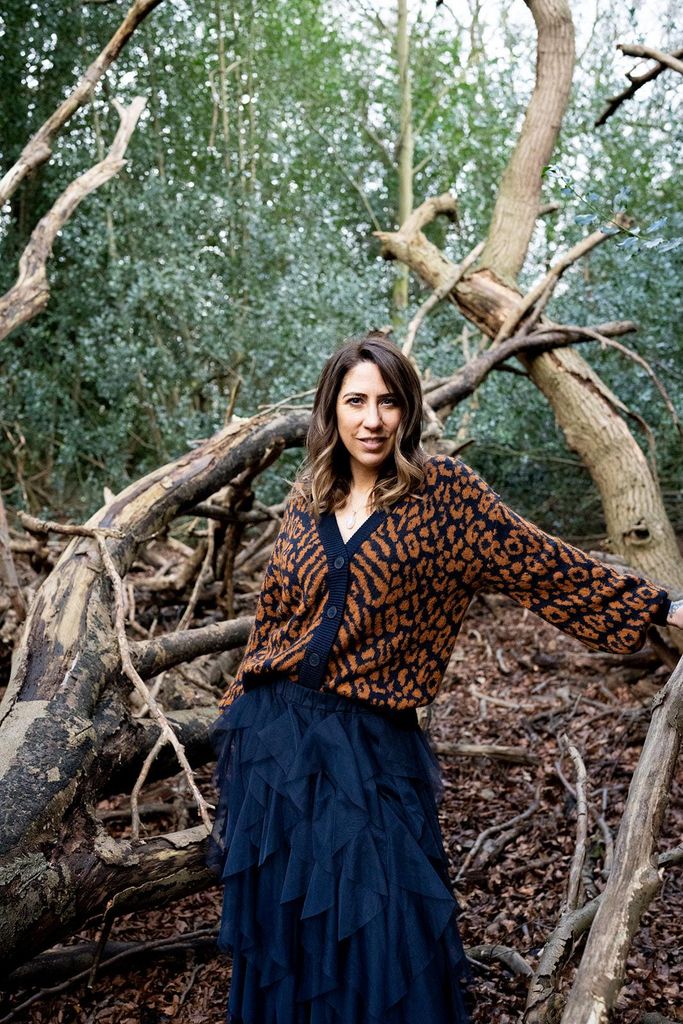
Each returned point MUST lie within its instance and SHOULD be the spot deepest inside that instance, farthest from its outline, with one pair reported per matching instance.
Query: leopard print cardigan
(376, 619)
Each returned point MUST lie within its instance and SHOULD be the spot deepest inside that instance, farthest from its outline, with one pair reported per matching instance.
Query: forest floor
(512, 680)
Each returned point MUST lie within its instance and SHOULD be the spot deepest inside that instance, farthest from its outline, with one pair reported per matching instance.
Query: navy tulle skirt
(338, 908)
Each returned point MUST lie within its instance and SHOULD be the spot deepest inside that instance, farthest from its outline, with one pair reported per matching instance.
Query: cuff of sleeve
(661, 615)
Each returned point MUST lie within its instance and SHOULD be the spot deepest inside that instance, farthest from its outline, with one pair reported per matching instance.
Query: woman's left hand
(675, 616)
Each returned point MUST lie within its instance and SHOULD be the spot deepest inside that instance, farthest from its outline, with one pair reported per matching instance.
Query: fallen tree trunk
(61, 889)
(76, 961)
(63, 713)
(636, 877)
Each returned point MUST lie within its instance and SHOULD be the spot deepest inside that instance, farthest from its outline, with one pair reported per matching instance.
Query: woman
(338, 908)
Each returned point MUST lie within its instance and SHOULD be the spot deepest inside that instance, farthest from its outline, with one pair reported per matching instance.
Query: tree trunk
(592, 420)
(587, 412)
(404, 149)
(516, 210)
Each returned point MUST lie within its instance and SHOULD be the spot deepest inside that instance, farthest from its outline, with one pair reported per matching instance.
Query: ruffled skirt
(338, 908)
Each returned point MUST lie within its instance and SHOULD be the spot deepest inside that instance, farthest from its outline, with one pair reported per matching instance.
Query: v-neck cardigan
(376, 618)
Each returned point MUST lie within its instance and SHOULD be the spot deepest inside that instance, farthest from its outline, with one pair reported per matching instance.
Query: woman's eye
(357, 400)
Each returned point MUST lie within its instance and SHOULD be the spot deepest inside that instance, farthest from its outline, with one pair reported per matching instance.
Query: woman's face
(368, 416)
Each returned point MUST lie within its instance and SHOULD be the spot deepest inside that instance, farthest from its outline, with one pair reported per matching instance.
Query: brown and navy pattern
(376, 619)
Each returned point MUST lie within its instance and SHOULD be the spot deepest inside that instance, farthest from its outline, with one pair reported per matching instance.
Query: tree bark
(591, 417)
(8, 574)
(589, 414)
(61, 890)
(516, 209)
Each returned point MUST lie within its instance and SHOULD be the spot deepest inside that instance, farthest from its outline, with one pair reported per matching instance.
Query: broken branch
(637, 82)
(38, 149)
(30, 293)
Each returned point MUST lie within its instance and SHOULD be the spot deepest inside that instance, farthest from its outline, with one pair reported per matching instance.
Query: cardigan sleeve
(605, 609)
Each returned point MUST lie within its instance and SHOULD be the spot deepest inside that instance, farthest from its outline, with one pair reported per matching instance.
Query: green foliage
(610, 216)
(236, 246)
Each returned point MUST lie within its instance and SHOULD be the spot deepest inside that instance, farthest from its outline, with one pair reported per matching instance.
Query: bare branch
(574, 884)
(568, 932)
(445, 204)
(8, 573)
(140, 781)
(438, 295)
(30, 293)
(544, 288)
(201, 576)
(42, 526)
(509, 958)
(669, 60)
(163, 652)
(470, 376)
(630, 354)
(514, 755)
(39, 149)
(491, 831)
(637, 82)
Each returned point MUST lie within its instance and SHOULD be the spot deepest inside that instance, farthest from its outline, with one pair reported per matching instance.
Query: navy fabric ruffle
(337, 903)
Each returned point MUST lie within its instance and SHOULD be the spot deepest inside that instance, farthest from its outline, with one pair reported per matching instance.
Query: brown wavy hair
(324, 479)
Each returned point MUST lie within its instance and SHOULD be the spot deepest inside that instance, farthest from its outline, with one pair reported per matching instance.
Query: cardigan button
(339, 562)
(331, 612)
(313, 658)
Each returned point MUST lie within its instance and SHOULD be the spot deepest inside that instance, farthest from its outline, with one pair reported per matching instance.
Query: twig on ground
(574, 886)
(201, 576)
(510, 958)
(515, 755)
(493, 830)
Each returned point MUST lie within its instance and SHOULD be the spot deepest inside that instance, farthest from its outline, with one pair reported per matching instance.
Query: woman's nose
(372, 417)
